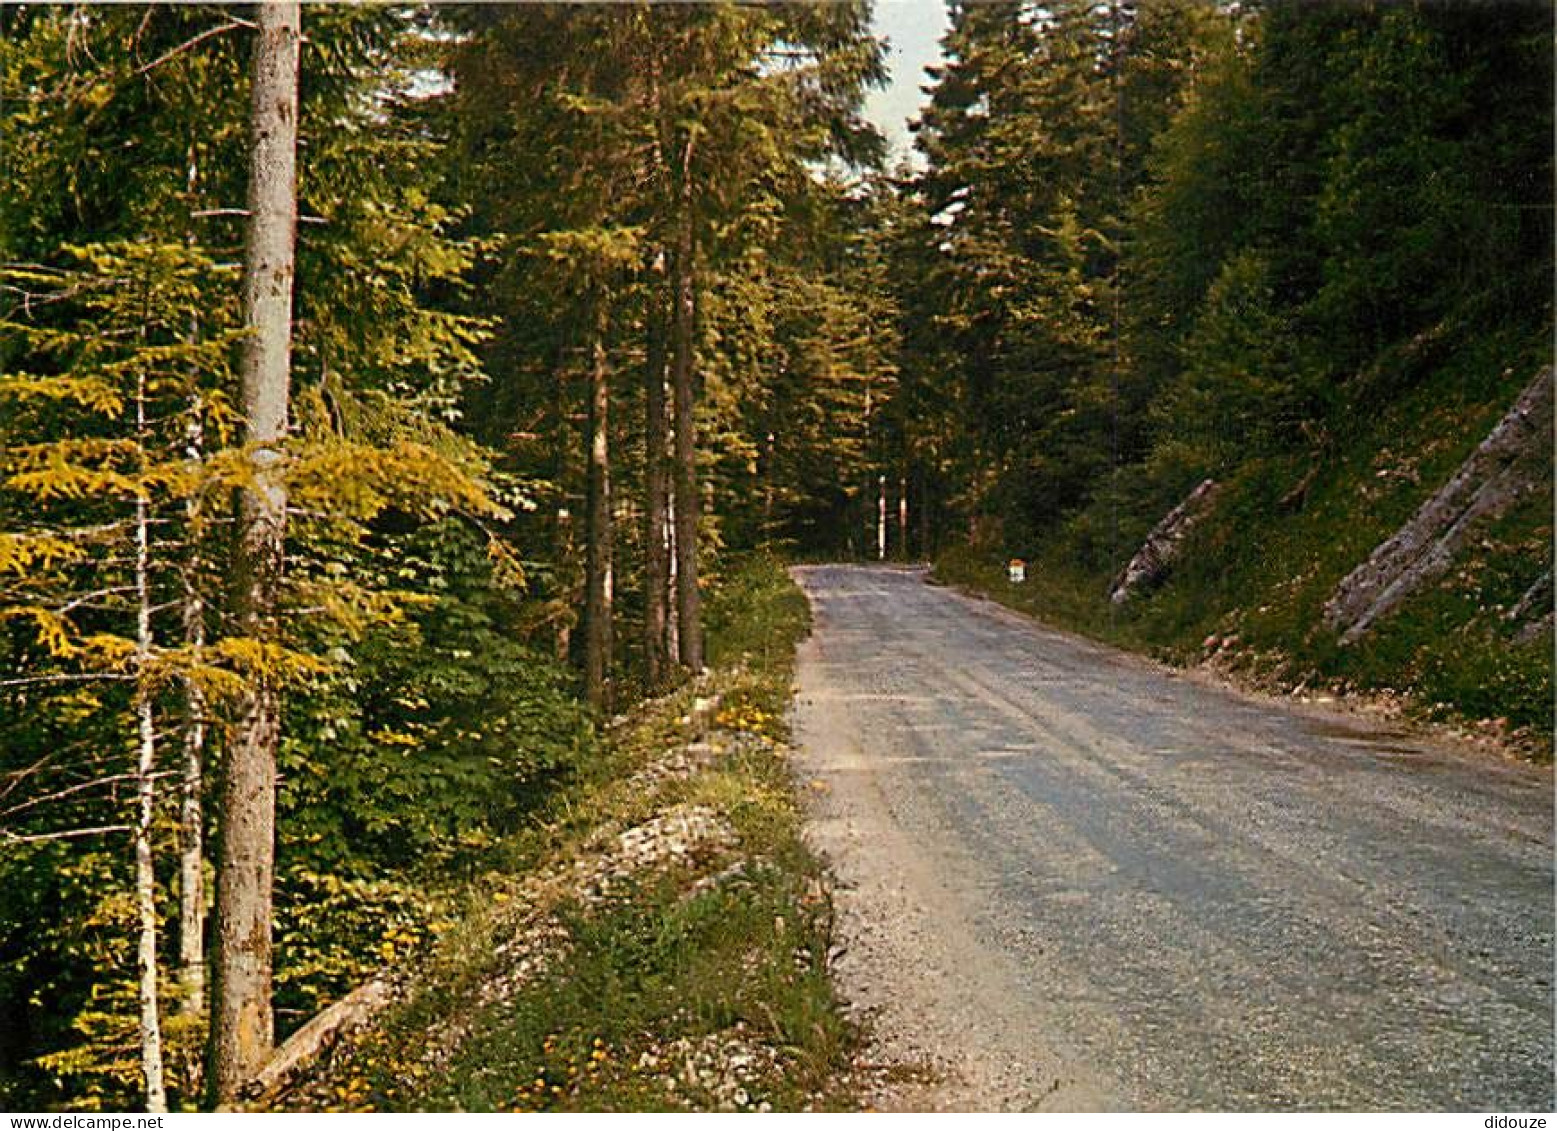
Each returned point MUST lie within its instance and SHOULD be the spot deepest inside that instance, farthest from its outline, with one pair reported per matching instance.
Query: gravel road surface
(1070, 879)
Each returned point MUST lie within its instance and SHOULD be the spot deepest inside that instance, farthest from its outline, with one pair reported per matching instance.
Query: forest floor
(660, 941)
(1071, 878)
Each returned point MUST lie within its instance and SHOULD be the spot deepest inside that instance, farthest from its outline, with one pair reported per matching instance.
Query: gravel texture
(1071, 879)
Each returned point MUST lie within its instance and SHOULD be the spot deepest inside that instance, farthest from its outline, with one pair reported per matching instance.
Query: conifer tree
(96, 433)
(110, 90)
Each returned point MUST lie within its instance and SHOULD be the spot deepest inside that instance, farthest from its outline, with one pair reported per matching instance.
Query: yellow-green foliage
(99, 453)
(22, 552)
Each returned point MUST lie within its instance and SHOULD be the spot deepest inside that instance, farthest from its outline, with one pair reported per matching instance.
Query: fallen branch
(63, 834)
(299, 1050)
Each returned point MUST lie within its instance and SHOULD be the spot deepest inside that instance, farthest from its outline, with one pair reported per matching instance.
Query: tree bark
(562, 519)
(326, 1027)
(656, 430)
(672, 633)
(881, 518)
(191, 813)
(769, 474)
(191, 816)
(598, 545)
(242, 1026)
(689, 613)
(902, 517)
(146, 799)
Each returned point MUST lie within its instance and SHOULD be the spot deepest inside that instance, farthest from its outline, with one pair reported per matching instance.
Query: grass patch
(658, 941)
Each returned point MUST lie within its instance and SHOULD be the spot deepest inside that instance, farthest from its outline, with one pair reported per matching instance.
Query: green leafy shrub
(434, 735)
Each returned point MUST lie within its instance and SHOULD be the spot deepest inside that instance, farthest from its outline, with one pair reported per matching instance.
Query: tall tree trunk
(242, 1026)
(598, 548)
(191, 814)
(868, 517)
(769, 474)
(672, 633)
(562, 519)
(562, 632)
(689, 612)
(146, 799)
(926, 505)
(881, 518)
(656, 430)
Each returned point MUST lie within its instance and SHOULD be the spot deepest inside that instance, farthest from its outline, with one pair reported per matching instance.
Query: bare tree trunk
(881, 518)
(191, 818)
(672, 634)
(769, 471)
(598, 547)
(562, 519)
(656, 428)
(927, 507)
(902, 517)
(689, 613)
(242, 1026)
(866, 516)
(562, 638)
(320, 1033)
(146, 799)
(191, 815)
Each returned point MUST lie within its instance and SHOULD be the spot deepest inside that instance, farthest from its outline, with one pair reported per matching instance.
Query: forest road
(1071, 879)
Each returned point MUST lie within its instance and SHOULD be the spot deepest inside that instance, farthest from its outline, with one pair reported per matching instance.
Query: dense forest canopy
(585, 301)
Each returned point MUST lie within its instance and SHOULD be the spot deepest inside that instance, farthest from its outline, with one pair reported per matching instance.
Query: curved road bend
(1072, 880)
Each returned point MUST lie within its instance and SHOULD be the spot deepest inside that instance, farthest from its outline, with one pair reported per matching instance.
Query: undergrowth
(693, 980)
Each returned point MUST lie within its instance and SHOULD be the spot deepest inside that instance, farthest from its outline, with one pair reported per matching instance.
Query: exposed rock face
(1162, 546)
(1505, 468)
(1533, 614)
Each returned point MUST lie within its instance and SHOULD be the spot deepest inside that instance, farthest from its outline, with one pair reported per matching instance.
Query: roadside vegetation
(1307, 257)
(384, 390)
(655, 938)
(1247, 594)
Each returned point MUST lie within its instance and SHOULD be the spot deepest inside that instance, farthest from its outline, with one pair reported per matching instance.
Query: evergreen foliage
(1155, 243)
(590, 300)
(489, 202)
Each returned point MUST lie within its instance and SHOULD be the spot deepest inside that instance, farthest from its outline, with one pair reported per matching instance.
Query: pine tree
(690, 146)
(96, 444)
